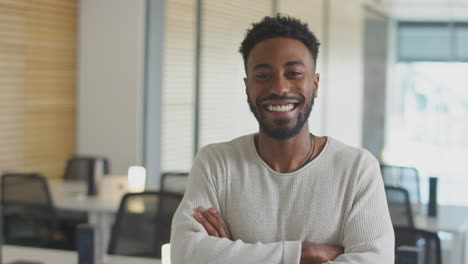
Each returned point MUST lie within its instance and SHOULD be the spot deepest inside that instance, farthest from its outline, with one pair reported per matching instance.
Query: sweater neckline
(310, 163)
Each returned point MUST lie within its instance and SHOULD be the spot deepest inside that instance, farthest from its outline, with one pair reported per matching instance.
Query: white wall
(311, 12)
(345, 72)
(110, 80)
(339, 25)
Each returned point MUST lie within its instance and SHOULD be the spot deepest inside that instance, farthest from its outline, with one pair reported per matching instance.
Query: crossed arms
(311, 253)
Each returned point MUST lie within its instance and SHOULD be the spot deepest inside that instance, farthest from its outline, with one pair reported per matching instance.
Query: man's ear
(316, 84)
(245, 84)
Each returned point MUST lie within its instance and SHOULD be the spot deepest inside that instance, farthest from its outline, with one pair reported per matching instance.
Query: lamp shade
(136, 178)
(166, 254)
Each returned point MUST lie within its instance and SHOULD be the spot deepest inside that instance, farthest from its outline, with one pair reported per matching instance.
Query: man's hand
(212, 222)
(313, 253)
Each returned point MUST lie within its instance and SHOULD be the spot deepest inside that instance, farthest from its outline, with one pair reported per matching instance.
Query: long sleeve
(368, 236)
(190, 242)
(337, 199)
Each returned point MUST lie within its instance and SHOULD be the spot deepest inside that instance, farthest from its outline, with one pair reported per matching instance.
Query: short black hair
(278, 26)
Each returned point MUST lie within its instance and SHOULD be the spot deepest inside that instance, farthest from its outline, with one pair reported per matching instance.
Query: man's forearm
(198, 247)
(191, 243)
(311, 253)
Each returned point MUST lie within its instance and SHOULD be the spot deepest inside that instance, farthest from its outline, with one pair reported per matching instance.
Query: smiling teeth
(280, 108)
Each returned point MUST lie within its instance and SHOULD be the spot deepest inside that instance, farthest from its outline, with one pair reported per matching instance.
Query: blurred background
(132, 89)
(151, 82)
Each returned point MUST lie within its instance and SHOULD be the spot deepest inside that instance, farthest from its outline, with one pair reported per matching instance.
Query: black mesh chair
(143, 224)
(79, 167)
(173, 181)
(399, 206)
(29, 216)
(404, 177)
(428, 242)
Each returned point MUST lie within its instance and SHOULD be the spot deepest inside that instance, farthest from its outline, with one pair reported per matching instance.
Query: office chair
(143, 223)
(428, 242)
(399, 206)
(29, 216)
(173, 181)
(79, 167)
(405, 177)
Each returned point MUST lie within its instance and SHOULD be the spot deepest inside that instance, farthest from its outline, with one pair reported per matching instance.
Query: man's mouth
(280, 104)
(279, 107)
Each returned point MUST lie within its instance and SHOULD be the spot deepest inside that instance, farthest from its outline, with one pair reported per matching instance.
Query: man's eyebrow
(268, 66)
(262, 65)
(292, 63)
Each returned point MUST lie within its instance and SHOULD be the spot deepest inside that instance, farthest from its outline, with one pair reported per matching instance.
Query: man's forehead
(285, 51)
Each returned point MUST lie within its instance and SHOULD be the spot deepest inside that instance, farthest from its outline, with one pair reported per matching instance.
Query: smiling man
(282, 195)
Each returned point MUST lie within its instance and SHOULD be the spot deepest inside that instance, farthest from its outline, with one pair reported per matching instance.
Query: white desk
(454, 220)
(71, 195)
(101, 209)
(53, 256)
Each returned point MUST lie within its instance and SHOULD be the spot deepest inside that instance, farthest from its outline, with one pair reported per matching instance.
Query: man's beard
(281, 132)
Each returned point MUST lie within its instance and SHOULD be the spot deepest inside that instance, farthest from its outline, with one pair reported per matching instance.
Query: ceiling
(432, 10)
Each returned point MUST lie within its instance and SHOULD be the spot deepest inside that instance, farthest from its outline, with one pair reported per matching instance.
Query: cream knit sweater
(337, 199)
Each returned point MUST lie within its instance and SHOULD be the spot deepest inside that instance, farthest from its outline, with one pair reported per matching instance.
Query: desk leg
(107, 222)
(95, 219)
(458, 246)
(465, 247)
(103, 222)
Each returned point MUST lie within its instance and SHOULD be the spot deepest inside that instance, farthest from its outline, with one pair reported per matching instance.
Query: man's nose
(280, 85)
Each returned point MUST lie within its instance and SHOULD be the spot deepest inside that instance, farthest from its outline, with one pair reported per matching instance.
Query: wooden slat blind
(178, 85)
(38, 43)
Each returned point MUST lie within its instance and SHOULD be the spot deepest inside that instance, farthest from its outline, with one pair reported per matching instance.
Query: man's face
(281, 85)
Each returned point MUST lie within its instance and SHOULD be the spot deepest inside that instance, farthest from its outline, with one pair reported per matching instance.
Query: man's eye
(294, 74)
(263, 75)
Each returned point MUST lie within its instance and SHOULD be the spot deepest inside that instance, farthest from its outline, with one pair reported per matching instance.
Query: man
(282, 195)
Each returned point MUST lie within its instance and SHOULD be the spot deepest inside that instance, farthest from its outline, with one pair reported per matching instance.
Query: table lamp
(166, 254)
(136, 178)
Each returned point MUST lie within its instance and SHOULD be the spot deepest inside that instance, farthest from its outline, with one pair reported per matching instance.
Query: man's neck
(287, 155)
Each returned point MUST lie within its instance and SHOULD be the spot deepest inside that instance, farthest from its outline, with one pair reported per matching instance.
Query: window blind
(461, 42)
(424, 42)
(178, 86)
(432, 41)
(37, 85)
(224, 112)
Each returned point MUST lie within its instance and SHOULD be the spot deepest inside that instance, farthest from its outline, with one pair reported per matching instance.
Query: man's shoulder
(237, 145)
(355, 162)
(339, 149)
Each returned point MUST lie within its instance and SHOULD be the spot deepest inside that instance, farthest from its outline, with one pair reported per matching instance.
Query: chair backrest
(173, 181)
(399, 206)
(405, 177)
(429, 242)
(143, 223)
(79, 167)
(28, 212)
